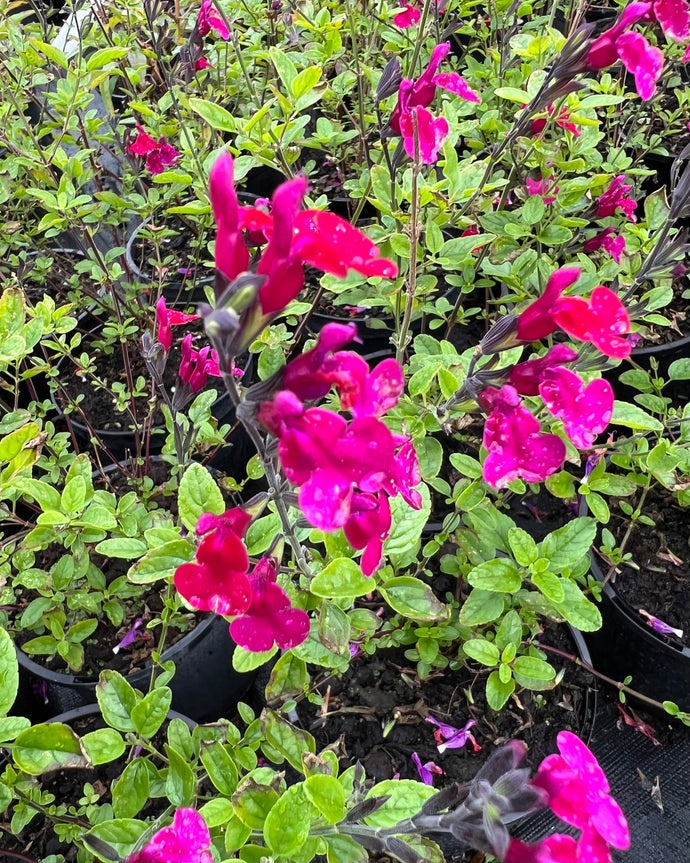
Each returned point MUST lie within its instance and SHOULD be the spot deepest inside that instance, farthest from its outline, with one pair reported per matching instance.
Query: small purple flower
(659, 625)
(130, 637)
(449, 737)
(41, 690)
(426, 771)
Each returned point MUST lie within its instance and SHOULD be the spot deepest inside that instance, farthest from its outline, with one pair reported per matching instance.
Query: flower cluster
(410, 117)
(516, 446)
(578, 793)
(294, 238)
(159, 154)
(208, 19)
(644, 61)
(345, 470)
(219, 581)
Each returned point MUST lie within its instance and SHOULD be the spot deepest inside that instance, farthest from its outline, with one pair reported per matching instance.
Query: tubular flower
(196, 366)
(449, 737)
(232, 256)
(601, 320)
(536, 322)
(159, 154)
(674, 17)
(426, 771)
(610, 241)
(186, 840)
(421, 93)
(167, 318)
(644, 61)
(431, 134)
(270, 618)
(545, 188)
(562, 118)
(209, 19)
(614, 198)
(527, 376)
(218, 580)
(408, 17)
(514, 440)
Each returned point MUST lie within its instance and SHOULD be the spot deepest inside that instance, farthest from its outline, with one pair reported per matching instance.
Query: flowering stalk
(414, 238)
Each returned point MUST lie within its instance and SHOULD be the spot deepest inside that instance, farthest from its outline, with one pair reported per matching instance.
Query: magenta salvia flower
(421, 93)
(674, 17)
(545, 188)
(449, 737)
(614, 198)
(431, 134)
(659, 625)
(644, 61)
(167, 318)
(159, 154)
(610, 241)
(196, 366)
(537, 320)
(186, 840)
(579, 795)
(270, 618)
(426, 771)
(527, 376)
(209, 19)
(601, 320)
(368, 527)
(408, 17)
(585, 410)
(516, 445)
(130, 636)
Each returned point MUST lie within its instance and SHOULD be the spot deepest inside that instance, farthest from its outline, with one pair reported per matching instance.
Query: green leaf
(161, 562)
(499, 575)
(286, 828)
(407, 526)
(149, 714)
(341, 579)
(342, 849)
(9, 673)
(121, 834)
(567, 545)
(327, 795)
(414, 598)
(513, 95)
(103, 56)
(482, 651)
(577, 609)
(245, 661)
(216, 116)
(117, 700)
(405, 799)
(217, 812)
(522, 545)
(220, 767)
(533, 210)
(81, 631)
(498, 692)
(289, 678)
(534, 673)
(631, 416)
(549, 584)
(561, 484)
(179, 781)
(509, 631)
(45, 495)
(198, 493)
(262, 533)
(290, 741)
(466, 465)
(131, 791)
(252, 802)
(11, 726)
(305, 81)
(48, 747)
(286, 69)
(103, 745)
(481, 606)
(73, 496)
(124, 548)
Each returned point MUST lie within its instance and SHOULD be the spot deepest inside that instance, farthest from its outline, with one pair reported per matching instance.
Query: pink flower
(218, 580)
(209, 19)
(232, 256)
(610, 241)
(539, 125)
(426, 771)
(431, 134)
(159, 154)
(186, 840)
(579, 795)
(196, 366)
(543, 187)
(557, 848)
(202, 63)
(421, 93)
(642, 60)
(527, 376)
(270, 618)
(408, 18)
(603, 51)
(674, 17)
(536, 321)
(514, 440)
(368, 527)
(449, 737)
(585, 410)
(602, 320)
(167, 318)
(659, 626)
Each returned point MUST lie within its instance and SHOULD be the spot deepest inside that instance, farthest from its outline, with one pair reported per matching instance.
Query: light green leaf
(48, 747)
(9, 673)
(198, 493)
(161, 562)
(341, 579)
(414, 598)
(216, 116)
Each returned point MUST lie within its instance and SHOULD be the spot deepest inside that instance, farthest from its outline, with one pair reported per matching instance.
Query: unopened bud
(390, 79)
(501, 336)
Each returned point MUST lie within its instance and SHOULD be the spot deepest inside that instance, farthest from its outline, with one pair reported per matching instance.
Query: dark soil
(661, 586)
(98, 405)
(376, 714)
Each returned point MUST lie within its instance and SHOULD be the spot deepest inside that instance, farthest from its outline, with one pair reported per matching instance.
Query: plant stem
(414, 238)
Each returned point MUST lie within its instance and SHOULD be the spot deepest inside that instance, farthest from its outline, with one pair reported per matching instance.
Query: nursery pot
(205, 686)
(625, 646)
(179, 286)
(87, 710)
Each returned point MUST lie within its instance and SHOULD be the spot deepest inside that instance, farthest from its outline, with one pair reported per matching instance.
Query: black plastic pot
(664, 355)
(94, 710)
(205, 686)
(179, 287)
(659, 667)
